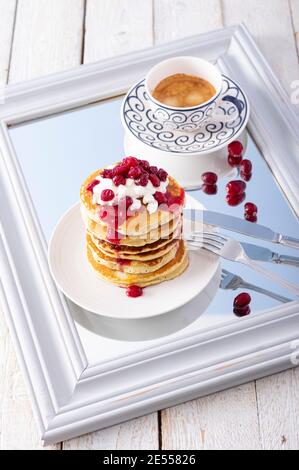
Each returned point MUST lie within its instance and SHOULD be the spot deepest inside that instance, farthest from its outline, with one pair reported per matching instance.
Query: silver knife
(236, 224)
(260, 253)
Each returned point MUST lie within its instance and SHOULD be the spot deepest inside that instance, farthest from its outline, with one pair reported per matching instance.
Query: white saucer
(139, 120)
(76, 279)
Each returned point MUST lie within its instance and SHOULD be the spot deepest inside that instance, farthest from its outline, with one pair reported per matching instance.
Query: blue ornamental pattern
(146, 125)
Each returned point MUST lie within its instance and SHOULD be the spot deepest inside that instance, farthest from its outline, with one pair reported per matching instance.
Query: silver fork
(232, 250)
(230, 281)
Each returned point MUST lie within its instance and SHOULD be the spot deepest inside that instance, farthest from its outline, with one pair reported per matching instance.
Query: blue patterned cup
(190, 119)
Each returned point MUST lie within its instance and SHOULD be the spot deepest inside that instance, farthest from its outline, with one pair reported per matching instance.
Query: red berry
(120, 170)
(235, 148)
(234, 161)
(242, 312)
(209, 177)
(134, 291)
(154, 180)
(107, 195)
(210, 189)
(235, 187)
(119, 179)
(242, 300)
(160, 197)
(91, 185)
(129, 201)
(107, 173)
(103, 213)
(153, 169)
(250, 208)
(245, 176)
(144, 164)
(143, 180)
(251, 217)
(235, 200)
(246, 166)
(162, 174)
(134, 172)
(130, 161)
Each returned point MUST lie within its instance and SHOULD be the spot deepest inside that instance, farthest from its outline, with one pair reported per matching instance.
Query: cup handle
(228, 118)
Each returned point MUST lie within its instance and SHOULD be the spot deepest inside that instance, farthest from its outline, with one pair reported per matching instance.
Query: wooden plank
(226, 420)
(141, 433)
(48, 37)
(294, 4)
(278, 405)
(179, 18)
(7, 15)
(114, 27)
(270, 23)
(211, 422)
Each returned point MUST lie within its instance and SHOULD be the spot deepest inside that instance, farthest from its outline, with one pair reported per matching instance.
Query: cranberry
(130, 161)
(153, 169)
(120, 170)
(154, 180)
(235, 148)
(160, 197)
(235, 187)
(210, 189)
(119, 179)
(250, 208)
(103, 213)
(143, 180)
(246, 166)
(134, 291)
(242, 312)
(134, 172)
(234, 161)
(107, 173)
(245, 176)
(107, 195)
(251, 217)
(242, 300)
(209, 177)
(144, 163)
(91, 185)
(162, 174)
(129, 201)
(234, 200)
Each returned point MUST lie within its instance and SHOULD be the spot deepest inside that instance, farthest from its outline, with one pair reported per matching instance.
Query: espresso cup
(194, 117)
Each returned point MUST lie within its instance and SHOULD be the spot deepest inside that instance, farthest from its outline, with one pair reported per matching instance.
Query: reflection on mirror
(58, 152)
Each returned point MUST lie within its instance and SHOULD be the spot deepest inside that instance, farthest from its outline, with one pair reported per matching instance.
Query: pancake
(141, 222)
(131, 266)
(169, 271)
(141, 255)
(162, 232)
(132, 213)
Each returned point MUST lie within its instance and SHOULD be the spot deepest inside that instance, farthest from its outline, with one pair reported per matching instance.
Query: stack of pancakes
(143, 248)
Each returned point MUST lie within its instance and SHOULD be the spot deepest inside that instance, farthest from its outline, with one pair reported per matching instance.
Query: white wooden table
(38, 37)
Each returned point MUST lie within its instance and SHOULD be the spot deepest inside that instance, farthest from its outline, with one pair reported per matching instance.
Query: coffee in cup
(183, 90)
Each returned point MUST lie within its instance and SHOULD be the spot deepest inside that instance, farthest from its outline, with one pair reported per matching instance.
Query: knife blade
(260, 253)
(235, 224)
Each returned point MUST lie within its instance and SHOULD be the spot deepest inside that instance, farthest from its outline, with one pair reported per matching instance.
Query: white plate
(76, 279)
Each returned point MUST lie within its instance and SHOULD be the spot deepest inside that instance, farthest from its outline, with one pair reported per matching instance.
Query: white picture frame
(70, 398)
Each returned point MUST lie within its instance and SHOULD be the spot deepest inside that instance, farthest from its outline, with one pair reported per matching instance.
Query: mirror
(58, 152)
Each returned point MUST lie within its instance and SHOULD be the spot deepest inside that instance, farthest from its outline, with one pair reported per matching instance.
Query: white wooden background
(38, 37)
